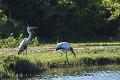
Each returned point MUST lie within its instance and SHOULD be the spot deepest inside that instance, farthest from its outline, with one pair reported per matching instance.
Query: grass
(18, 66)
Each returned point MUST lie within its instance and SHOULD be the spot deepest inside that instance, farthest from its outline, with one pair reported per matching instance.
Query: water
(109, 72)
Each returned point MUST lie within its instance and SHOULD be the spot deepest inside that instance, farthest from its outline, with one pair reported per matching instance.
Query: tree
(67, 19)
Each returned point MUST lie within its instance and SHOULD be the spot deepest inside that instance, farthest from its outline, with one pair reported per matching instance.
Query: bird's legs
(67, 57)
(25, 52)
(18, 52)
(61, 52)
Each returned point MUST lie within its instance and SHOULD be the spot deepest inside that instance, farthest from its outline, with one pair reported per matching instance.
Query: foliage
(9, 26)
(12, 42)
(113, 7)
(70, 20)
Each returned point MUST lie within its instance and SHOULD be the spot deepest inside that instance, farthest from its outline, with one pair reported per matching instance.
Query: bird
(65, 47)
(23, 45)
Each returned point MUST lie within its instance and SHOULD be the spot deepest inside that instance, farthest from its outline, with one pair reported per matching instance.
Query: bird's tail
(71, 49)
(19, 51)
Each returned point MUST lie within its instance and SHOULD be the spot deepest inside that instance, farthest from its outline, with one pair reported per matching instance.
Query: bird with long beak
(23, 45)
(65, 46)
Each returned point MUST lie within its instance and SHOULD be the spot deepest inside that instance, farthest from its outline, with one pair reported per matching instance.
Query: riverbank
(18, 66)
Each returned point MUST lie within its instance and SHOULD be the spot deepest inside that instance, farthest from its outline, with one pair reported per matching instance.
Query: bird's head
(30, 27)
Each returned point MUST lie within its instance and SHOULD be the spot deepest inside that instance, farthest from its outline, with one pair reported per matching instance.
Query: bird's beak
(33, 27)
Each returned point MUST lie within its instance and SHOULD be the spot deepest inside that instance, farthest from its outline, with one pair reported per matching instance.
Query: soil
(35, 49)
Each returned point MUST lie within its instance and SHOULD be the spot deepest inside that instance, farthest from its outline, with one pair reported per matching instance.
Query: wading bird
(65, 46)
(23, 45)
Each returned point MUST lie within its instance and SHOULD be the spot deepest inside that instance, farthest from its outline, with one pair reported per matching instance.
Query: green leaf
(1, 11)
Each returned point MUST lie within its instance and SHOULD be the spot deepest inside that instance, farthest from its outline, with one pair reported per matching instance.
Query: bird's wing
(23, 45)
(63, 45)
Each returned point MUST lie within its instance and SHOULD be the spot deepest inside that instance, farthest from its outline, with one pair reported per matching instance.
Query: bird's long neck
(30, 36)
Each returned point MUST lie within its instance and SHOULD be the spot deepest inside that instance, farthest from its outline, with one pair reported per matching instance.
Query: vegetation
(70, 20)
(85, 21)
(12, 42)
(19, 66)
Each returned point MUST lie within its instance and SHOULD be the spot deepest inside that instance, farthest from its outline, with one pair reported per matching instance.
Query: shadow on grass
(99, 61)
(21, 66)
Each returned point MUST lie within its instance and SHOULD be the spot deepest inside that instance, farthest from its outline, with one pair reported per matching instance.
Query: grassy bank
(13, 65)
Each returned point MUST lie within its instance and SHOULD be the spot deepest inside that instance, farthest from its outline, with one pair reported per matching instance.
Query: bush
(12, 42)
(20, 65)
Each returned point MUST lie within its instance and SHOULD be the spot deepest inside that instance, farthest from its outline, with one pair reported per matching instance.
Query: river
(106, 72)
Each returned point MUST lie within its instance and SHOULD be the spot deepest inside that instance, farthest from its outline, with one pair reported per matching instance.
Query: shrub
(19, 65)
(12, 42)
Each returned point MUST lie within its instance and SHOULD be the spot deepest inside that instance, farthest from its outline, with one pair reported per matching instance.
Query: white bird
(23, 45)
(65, 46)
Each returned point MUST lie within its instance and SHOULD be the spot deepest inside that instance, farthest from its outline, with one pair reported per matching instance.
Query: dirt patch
(35, 49)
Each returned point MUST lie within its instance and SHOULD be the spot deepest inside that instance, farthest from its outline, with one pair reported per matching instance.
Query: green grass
(18, 66)
(13, 65)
